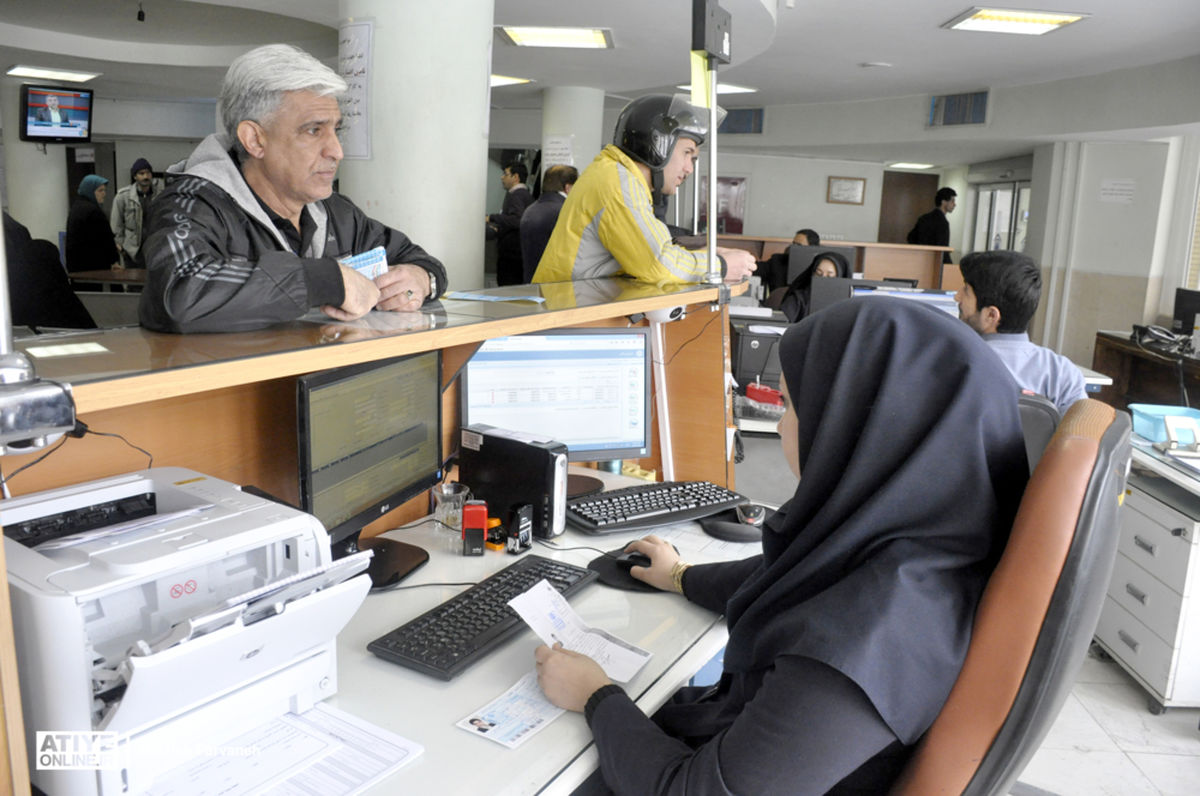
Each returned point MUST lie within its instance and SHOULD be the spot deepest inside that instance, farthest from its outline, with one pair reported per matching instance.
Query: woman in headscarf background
(848, 631)
(797, 297)
(90, 245)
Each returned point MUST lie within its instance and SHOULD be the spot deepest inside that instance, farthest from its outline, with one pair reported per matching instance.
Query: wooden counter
(873, 260)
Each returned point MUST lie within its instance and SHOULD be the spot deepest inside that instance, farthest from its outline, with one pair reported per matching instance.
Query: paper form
(554, 621)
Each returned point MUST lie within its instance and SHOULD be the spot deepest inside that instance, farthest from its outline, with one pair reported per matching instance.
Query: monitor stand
(579, 485)
(393, 561)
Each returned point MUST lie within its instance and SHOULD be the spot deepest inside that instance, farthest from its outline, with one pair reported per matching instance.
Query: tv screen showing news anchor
(53, 113)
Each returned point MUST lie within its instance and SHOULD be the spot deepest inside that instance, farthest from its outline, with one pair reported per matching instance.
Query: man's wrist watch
(432, 284)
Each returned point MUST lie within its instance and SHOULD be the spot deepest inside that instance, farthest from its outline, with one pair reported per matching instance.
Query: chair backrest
(1039, 419)
(1037, 615)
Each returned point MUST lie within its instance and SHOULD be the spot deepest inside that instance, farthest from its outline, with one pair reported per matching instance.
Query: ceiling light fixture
(44, 73)
(875, 65)
(501, 80)
(725, 88)
(583, 38)
(910, 166)
(1007, 20)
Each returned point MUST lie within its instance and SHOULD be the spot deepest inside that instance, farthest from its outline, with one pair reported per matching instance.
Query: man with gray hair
(249, 231)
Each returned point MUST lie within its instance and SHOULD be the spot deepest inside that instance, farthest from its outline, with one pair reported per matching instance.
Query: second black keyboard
(447, 639)
(650, 505)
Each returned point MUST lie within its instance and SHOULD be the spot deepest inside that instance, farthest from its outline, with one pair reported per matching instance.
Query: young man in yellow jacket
(607, 224)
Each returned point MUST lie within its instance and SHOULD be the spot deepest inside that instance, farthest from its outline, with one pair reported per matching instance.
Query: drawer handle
(1129, 640)
(1136, 593)
(1178, 531)
(1142, 543)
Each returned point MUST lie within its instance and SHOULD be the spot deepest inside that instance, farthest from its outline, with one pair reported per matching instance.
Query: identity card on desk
(522, 711)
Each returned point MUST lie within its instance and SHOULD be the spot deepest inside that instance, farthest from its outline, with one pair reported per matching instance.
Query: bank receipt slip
(554, 621)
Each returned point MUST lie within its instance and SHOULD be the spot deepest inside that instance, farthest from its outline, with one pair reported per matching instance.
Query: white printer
(171, 632)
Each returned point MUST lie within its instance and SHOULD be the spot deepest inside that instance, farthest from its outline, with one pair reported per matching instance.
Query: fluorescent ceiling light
(726, 88)
(501, 80)
(585, 38)
(911, 166)
(1006, 20)
(42, 73)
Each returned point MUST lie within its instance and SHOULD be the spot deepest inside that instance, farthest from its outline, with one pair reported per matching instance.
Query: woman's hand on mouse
(663, 556)
(568, 678)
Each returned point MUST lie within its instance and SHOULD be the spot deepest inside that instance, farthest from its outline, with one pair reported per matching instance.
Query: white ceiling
(805, 54)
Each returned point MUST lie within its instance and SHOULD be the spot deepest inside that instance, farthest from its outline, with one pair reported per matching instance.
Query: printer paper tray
(168, 683)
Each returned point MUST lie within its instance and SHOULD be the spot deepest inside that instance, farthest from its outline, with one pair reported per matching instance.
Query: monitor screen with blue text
(586, 388)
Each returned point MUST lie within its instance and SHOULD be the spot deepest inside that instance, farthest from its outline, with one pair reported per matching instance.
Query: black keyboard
(650, 505)
(445, 640)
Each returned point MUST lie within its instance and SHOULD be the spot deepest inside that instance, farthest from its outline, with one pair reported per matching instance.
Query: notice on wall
(558, 150)
(1117, 191)
(354, 65)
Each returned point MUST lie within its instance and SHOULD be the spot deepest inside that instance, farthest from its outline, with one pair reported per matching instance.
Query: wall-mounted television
(56, 114)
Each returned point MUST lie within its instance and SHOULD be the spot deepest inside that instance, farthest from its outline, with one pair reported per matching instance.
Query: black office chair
(1039, 419)
(1037, 615)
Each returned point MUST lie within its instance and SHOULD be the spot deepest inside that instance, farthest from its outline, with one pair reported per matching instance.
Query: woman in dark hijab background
(798, 297)
(90, 245)
(848, 631)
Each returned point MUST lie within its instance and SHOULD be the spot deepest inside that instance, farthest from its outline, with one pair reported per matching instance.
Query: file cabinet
(1150, 622)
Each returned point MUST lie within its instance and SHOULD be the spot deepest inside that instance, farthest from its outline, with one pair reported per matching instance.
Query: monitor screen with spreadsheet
(586, 388)
(369, 439)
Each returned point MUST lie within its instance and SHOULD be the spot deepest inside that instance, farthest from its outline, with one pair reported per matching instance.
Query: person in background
(796, 298)
(607, 225)
(538, 222)
(89, 245)
(774, 269)
(1000, 294)
(505, 227)
(848, 630)
(129, 211)
(250, 231)
(932, 229)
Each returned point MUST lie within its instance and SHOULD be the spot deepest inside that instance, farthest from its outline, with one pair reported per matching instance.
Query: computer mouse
(751, 513)
(628, 561)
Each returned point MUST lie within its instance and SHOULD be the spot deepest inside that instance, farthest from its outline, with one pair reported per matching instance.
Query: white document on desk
(324, 750)
(549, 615)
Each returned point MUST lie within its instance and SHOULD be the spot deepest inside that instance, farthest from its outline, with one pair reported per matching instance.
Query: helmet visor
(691, 119)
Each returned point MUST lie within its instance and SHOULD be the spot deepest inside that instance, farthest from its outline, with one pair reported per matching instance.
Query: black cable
(1182, 384)
(544, 543)
(692, 339)
(398, 586)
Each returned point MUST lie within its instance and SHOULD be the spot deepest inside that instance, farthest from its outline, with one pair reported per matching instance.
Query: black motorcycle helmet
(649, 126)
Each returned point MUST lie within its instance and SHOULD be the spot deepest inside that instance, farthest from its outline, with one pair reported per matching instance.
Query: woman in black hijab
(798, 297)
(90, 245)
(848, 631)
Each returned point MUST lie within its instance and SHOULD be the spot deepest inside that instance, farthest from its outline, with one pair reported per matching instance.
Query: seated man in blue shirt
(1000, 293)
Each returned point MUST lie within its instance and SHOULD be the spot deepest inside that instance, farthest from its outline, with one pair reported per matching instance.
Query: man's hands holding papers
(568, 678)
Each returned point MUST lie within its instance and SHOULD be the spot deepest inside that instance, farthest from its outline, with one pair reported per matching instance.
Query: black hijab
(912, 465)
(798, 298)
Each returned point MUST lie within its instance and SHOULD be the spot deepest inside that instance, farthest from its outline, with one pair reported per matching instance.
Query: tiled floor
(1105, 742)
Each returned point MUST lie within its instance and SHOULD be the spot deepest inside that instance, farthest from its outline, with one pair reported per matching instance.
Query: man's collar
(518, 185)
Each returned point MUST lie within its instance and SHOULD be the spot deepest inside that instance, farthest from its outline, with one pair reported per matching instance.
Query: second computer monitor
(586, 388)
(831, 290)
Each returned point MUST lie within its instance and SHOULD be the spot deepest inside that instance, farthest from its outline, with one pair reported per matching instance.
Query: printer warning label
(57, 751)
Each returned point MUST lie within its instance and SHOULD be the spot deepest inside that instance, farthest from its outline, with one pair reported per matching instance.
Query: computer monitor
(801, 257)
(586, 388)
(1187, 306)
(834, 289)
(369, 439)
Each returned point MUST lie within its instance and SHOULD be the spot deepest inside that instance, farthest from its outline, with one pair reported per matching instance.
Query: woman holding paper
(847, 632)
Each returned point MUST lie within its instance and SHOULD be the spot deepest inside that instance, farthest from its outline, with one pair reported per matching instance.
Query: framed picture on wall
(846, 190)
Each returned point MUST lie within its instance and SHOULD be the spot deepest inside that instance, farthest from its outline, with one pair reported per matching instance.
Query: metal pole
(695, 205)
(714, 265)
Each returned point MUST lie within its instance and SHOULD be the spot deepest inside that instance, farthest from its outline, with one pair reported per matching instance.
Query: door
(906, 197)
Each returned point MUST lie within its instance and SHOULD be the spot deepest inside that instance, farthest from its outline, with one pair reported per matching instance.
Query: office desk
(108, 277)
(872, 260)
(681, 636)
(1140, 375)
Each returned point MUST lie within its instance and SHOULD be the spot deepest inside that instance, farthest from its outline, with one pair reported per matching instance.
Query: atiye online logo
(63, 751)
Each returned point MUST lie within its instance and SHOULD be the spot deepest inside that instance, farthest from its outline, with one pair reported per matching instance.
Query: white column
(578, 112)
(35, 175)
(428, 100)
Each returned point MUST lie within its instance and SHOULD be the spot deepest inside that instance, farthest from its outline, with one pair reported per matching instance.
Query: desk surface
(681, 636)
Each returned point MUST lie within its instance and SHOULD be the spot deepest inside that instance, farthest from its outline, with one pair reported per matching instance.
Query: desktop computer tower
(754, 349)
(508, 469)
